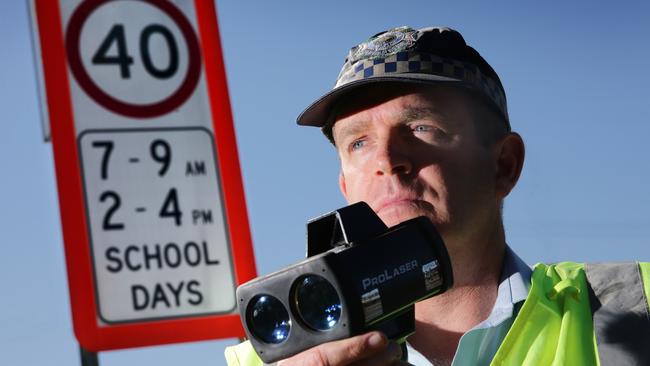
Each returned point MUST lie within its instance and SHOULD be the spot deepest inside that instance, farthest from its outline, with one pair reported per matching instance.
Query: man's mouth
(397, 202)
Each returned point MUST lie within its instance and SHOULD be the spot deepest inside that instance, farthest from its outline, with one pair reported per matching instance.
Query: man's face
(418, 154)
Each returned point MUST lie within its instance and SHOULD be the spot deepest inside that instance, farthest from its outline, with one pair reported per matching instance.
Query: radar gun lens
(317, 302)
(268, 319)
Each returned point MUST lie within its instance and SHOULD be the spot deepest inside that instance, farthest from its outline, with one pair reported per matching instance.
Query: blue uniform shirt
(479, 344)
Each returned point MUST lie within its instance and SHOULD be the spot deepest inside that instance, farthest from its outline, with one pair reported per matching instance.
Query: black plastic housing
(378, 278)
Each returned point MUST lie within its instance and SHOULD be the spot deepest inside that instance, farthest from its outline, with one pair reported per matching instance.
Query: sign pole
(88, 358)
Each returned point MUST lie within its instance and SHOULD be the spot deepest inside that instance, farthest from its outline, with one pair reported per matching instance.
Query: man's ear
(342, 186)
(510, 154)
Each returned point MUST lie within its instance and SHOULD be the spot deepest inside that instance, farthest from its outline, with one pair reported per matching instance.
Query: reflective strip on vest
(645, 277)
(620, 312)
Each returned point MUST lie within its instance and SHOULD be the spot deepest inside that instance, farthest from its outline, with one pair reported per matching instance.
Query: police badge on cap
(384, 44)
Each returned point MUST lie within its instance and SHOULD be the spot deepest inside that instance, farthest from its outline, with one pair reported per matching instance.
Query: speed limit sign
(155, 33)
(152, 206)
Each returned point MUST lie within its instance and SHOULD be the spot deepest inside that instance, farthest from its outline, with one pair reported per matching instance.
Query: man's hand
(370, 349)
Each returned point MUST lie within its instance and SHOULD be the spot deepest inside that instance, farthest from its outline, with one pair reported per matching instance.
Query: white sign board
(157, 242)
(152, 205)
(157, 230)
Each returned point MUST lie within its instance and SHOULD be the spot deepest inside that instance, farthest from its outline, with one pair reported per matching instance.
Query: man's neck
(443, 319)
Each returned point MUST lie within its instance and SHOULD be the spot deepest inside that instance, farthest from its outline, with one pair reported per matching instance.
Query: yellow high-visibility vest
(555, 325)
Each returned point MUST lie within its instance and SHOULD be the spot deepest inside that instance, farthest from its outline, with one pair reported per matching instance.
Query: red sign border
(89, 333)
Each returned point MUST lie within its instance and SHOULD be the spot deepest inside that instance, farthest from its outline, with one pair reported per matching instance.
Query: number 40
(124, 61)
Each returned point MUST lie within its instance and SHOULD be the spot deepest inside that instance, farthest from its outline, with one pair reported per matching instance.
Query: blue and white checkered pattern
(423, 63)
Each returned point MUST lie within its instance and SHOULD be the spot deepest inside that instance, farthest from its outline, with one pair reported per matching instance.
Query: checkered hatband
(410, 61)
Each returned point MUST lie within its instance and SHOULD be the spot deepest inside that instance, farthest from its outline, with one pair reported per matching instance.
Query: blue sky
(578, 86)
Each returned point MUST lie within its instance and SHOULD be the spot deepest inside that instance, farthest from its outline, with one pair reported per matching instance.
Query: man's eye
(357, 144)
(427, 128)
(422, 128)
(432, 132)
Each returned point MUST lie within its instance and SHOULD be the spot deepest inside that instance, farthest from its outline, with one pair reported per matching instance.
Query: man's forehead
(404, 105)
(393, 95)
(407, 112)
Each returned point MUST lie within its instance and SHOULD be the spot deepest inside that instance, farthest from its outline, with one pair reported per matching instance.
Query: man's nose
(392, 159)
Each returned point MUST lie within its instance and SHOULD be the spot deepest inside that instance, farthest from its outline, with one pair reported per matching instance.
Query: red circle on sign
(166, 105)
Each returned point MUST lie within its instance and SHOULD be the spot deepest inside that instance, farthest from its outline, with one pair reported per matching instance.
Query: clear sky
(578, 84)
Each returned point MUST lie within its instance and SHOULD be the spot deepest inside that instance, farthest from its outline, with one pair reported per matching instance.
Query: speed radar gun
(359, 276)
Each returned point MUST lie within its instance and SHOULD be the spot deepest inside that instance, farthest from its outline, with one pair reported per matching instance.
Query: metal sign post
(88, 358)
(152, 205)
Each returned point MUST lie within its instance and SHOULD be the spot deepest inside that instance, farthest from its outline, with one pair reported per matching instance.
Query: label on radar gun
(432, 278)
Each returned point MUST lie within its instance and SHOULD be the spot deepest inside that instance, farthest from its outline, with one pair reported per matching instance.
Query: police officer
(420, 123)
